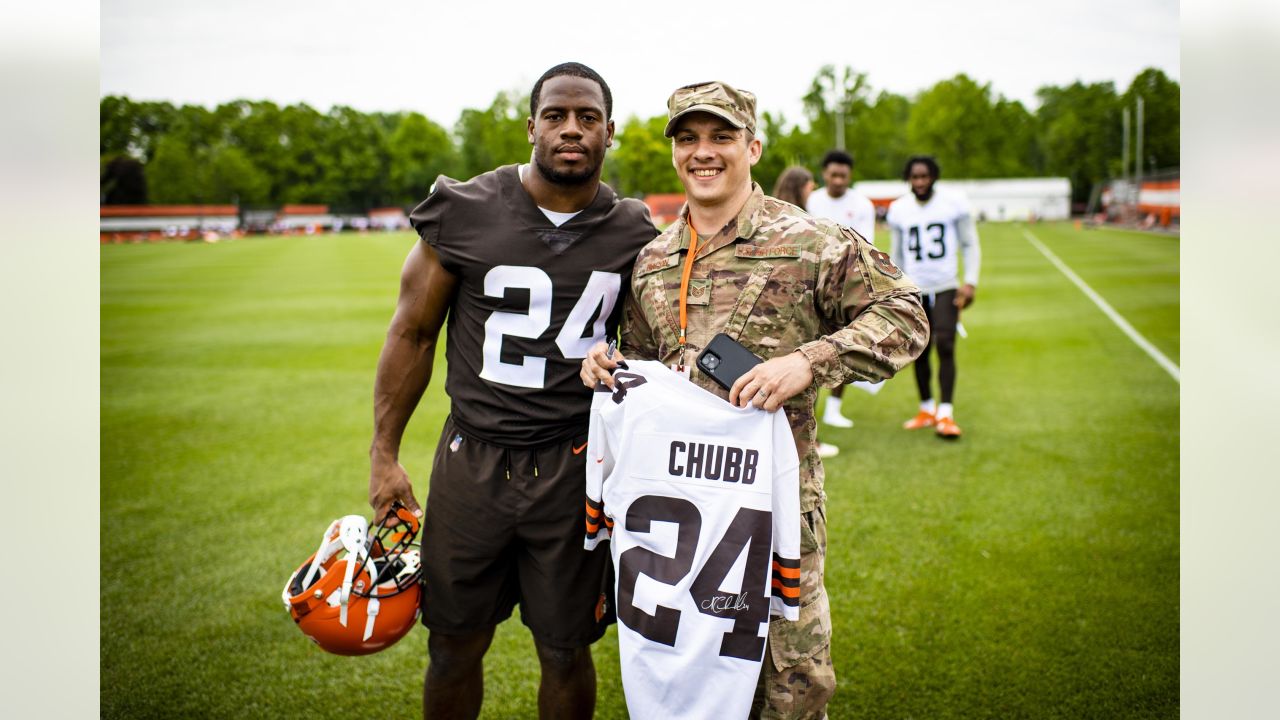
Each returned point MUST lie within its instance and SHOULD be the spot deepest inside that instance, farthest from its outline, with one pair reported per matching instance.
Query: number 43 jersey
(702, 502)
(929, 238)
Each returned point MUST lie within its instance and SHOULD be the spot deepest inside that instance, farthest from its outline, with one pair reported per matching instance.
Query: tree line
(258, 153)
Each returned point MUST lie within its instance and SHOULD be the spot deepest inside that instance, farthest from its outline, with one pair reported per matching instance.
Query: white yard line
(1110, 312)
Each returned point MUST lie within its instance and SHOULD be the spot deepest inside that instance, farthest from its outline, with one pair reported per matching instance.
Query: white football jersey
(929, 238)
(852, 209)
(702, 503)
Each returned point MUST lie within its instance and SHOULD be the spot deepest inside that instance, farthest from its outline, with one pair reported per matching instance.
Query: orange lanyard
(684, 286)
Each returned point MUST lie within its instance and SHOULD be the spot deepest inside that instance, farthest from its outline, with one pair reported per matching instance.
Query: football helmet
(366, 600)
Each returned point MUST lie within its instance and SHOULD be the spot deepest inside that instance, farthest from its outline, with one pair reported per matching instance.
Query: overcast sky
(440, 57)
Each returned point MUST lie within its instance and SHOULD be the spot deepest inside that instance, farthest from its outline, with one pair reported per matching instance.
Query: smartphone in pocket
(724, 360)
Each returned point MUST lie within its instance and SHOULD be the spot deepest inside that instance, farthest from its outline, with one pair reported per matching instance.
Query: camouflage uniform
(778, 281)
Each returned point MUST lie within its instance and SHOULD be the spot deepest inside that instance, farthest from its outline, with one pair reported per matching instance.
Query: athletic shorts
(504, 527)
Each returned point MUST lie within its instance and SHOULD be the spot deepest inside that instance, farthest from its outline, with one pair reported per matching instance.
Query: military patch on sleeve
(884, 264)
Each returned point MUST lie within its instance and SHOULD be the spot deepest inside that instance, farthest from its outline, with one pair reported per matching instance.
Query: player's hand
(964, 296)
(598, 368)
(773, 382)
(389, 482)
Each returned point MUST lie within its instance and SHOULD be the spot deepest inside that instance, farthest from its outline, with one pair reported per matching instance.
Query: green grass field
(1028, 570)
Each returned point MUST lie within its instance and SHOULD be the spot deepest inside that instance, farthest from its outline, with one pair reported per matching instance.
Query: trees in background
(258, 153)
(972, 134)
(497, 135)
(1162, 107)
(1081, 135)
(420, 151)
(640, 161)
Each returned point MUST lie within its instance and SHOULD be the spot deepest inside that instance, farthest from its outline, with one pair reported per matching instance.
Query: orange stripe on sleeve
(792, 573)
(788, 592)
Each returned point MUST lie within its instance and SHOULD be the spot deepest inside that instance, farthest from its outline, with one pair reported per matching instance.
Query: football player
(841, 203)
(931, 229)
(529, 264)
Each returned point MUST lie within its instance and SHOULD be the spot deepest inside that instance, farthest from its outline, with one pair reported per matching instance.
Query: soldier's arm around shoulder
(870, 311)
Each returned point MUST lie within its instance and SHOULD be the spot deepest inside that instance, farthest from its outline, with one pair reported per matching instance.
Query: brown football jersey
(532, 299)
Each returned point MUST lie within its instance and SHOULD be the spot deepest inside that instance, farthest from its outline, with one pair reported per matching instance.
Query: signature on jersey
(725, 603)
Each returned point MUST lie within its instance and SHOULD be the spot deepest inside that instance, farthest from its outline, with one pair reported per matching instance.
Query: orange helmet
(367, 600)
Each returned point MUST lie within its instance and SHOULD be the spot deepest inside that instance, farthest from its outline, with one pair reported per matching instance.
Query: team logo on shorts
(457, 442)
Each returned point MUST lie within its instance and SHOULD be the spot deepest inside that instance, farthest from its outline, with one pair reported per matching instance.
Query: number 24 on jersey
(601, 291)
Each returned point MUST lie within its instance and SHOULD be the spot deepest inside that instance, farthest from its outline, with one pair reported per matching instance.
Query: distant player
(530, 264)
(841, 203)
(837, 201)
(931, 230)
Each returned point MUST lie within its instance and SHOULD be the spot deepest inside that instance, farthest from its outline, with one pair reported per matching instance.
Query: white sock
(928, 406)
(833, 406)
(944, 410)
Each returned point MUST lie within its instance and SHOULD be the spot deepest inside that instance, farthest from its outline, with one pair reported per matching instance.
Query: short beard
(570, 178)
(925, 197)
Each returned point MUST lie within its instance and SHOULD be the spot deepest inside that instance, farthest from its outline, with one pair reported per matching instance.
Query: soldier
(819, 303)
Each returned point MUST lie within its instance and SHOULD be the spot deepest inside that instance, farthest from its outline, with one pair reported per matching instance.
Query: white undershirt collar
(556, 218)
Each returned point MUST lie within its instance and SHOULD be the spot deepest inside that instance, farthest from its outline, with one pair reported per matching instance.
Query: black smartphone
(725, 360)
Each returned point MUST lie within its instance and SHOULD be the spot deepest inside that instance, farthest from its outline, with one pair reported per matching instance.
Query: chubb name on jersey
(706, 545)
(713, 462)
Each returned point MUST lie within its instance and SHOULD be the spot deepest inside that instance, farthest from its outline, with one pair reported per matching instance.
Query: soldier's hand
(773, 382)
(964, 296)
(389, 482)
(598, 368)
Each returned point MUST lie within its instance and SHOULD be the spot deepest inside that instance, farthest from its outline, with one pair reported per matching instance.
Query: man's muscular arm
(404, 369)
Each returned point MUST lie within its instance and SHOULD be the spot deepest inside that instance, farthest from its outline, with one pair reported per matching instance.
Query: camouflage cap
(717, 98)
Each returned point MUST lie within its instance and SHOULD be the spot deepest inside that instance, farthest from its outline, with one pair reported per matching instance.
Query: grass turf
(1028, 570)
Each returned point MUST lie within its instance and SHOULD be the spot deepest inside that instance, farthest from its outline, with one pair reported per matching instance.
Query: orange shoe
(923, 419)
(947, 429)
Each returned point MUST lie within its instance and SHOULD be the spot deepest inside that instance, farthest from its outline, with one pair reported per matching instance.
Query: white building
(999, 199)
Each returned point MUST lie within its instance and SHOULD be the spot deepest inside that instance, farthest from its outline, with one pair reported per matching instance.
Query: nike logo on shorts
(578, 450)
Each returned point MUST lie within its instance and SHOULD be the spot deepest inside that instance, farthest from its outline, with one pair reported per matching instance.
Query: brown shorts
(505, 527)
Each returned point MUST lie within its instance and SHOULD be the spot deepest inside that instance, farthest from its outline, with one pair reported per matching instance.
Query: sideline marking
(1110, 312)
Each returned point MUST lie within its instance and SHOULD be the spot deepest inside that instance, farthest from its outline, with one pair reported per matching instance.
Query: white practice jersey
(929, 238)
(702, 501)
(852, 209)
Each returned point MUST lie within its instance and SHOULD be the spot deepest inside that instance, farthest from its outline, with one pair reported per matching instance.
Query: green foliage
(122, 181)
(1029, 570)
(848, 92)
(640, 161)
(784, 148)
(233, 178)
(879, 140)
(420, 152)
(957, 121)
(1162, 104)
(498, 135)
(355, 160)
(1080, 134)
(175, 174)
